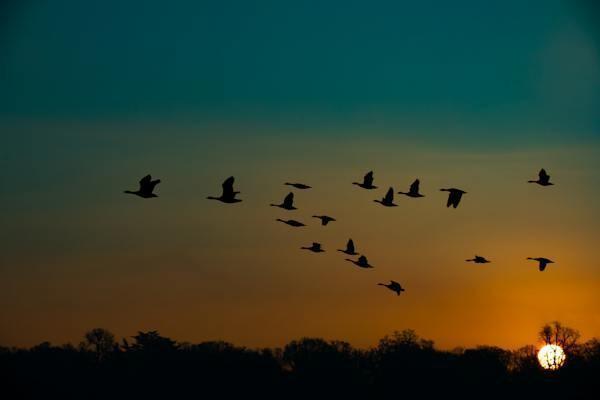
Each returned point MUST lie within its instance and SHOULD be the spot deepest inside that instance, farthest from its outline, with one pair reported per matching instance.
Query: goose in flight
(291, 222)
(298, 185)
(147, 186)
(479, 260)
(367, 182)
(349, 248)
(228, 195)
(413, 191)
(362, 262)
(544, 179)
(393, 286)
(453, 197)
(288, 202)
(543, 262)
(315, 248)
(388, 200)
(325, 219)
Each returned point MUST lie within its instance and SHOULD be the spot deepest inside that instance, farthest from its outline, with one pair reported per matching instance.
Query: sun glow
(551, 357)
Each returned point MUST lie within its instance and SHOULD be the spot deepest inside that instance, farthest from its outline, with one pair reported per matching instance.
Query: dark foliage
(402, 365)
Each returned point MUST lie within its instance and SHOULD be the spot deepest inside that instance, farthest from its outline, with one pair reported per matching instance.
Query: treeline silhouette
(150, 365)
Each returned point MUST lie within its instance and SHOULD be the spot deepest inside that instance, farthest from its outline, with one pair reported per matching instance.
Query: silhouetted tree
(556, 333)
(100, 341)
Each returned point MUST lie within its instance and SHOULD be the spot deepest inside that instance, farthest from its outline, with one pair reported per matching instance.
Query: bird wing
(363, 260)
(414, 188)
(145, 181)
(228, 186)
(289, 200)
(543, 264)
(543, 175)
(455, 197)
(450, 199)
(350, 246)
(368, 179)
(389, 196)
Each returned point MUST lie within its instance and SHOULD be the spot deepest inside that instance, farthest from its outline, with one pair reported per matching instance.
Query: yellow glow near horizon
(551, 357)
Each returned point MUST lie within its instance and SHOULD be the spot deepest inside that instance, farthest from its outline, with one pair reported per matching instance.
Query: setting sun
(551, 357)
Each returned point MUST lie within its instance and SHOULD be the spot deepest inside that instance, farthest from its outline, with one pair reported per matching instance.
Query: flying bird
(291, 222)
(315, 248)
(544, 179)
(413, 191)
(453, 197)
(362, 262)
(325, 219)
(288, 202)
(228, 195)
(146, 189)
(349, 248)
(298, 185)
(479, 260)
(393, 286)
(543, 262)
(388, 200)
(367, 182)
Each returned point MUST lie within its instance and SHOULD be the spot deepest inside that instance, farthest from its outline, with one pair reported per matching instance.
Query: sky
(468, 94)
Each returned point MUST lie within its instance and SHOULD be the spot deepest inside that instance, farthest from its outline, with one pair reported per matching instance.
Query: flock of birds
(229, 196)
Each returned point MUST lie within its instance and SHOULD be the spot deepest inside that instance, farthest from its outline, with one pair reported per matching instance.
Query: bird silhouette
(291, 222)
(315, 248)
(325, 219)
(228, 195)
(349, 248)
(147, 186)
(288, 202)
(362, 262)
(543, 179)
(367, 182)
(388, 200)
(393, 286)
(479, 260)
(413, 191)
(453, 197)
(298, 185)
(543, 262)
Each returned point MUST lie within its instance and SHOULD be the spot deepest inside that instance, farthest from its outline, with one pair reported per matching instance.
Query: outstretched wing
(368, 179)
(147, 184)
(228, 187)
(288, 201)
(543, 264)
(389, 196)
(454, 198)
(350, 246)
(414, 188)
(363, 260)
(544, 177)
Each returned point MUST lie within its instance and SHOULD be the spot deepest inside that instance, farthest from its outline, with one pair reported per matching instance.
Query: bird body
(228, 195)
(291, 222)
(479, 260)
(146, 189)
(349, 248)
(393, 286)
(542, 262)
(454, 196)
(288, 202)
(298, 185)
(325, 219)
(315, 248)
(362, 262)
(388, 200)
(413, 191)
(367, 182)
(543, 179)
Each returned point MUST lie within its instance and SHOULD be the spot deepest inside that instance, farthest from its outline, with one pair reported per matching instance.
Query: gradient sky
(469, 94)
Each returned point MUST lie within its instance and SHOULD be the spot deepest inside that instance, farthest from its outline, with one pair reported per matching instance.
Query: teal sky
(472, 94)
(467, 64)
